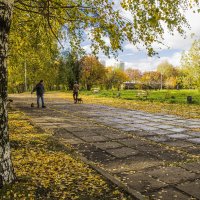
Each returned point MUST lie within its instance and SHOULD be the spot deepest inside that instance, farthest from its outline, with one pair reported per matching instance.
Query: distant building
(103, 62)
(120, 65)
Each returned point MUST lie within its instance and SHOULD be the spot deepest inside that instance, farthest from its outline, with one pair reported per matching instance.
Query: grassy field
(168, 96)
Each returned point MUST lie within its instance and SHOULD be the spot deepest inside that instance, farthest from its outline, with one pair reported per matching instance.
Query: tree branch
(49, 23)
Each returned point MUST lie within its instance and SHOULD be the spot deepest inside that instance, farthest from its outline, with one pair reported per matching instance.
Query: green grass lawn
(168, 96)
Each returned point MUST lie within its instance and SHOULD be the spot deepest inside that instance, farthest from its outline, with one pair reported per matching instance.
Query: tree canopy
(191, 65)
(100, 19)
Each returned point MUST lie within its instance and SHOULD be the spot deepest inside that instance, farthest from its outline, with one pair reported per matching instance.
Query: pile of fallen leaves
(46, 170)
(184, 110)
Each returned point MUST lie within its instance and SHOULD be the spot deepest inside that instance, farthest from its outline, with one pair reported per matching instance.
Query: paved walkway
(155, 154)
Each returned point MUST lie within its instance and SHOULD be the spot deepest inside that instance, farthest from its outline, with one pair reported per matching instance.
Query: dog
(9, 101)
(32, 105)
(79, 100)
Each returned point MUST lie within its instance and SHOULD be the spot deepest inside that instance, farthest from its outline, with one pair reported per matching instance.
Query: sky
(174, 47)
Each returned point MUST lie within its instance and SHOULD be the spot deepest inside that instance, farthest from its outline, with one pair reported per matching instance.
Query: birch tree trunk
(6, 168)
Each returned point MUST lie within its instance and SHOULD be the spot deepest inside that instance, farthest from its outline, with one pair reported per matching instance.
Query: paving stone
(140, 126)
(159, 117)
(191, 188)
(149, 128)
(98, 156)
(48, 127)
(153, 119)
(117, 136)
(132, 164)
(85, 147)
(144, 133)
(141, 182)
(193, 167)
(174, 123)
(165, 126)
(63, 134)
(74, 129)
(94, 139)
(179, 136)
(170, 156)
(194, 126)
(195, 134)
(85, 134)
(194, 140)
(127, 129)
(178, 143)
(162, 132)
(139, 121)
(194, 149)
(65, 125)
(183, 121)
(158, 138)
(124, 121)
(39, 120)
(112, 119)
(169, 194)
(108, 123)
(177, 130)
(119, 126)
(151, 124)
(149, 149)
(108, 145)
(172, 116)
(47, 124)
(122, 152)
(81, 128)
(172, 175)
(133, 142)
(194, 121)
(74, 141)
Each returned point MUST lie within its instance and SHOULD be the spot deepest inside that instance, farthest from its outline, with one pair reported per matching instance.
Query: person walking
(75, 91)
(39, 88)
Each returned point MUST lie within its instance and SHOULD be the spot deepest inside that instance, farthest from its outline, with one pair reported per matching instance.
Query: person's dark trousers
(75, 95)
(38, 100)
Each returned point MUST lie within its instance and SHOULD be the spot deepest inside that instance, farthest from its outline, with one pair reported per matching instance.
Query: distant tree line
(167, 76)
(61, 71)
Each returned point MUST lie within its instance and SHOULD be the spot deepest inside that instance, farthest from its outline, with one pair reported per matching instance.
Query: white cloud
(106, 40)
(87, 49)
(110, 61)
(175, 41)
(151, 63)
(132, 48)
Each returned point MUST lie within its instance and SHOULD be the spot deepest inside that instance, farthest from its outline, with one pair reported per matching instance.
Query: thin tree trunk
(6, 168)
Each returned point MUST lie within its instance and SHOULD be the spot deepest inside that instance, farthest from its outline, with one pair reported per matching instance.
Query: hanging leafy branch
(102, 18)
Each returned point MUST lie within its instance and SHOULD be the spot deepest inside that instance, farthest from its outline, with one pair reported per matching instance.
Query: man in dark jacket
(39, 88)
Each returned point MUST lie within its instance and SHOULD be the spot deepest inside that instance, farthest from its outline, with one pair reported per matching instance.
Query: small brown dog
(79, 100)
(9, 102)
(32, 105)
